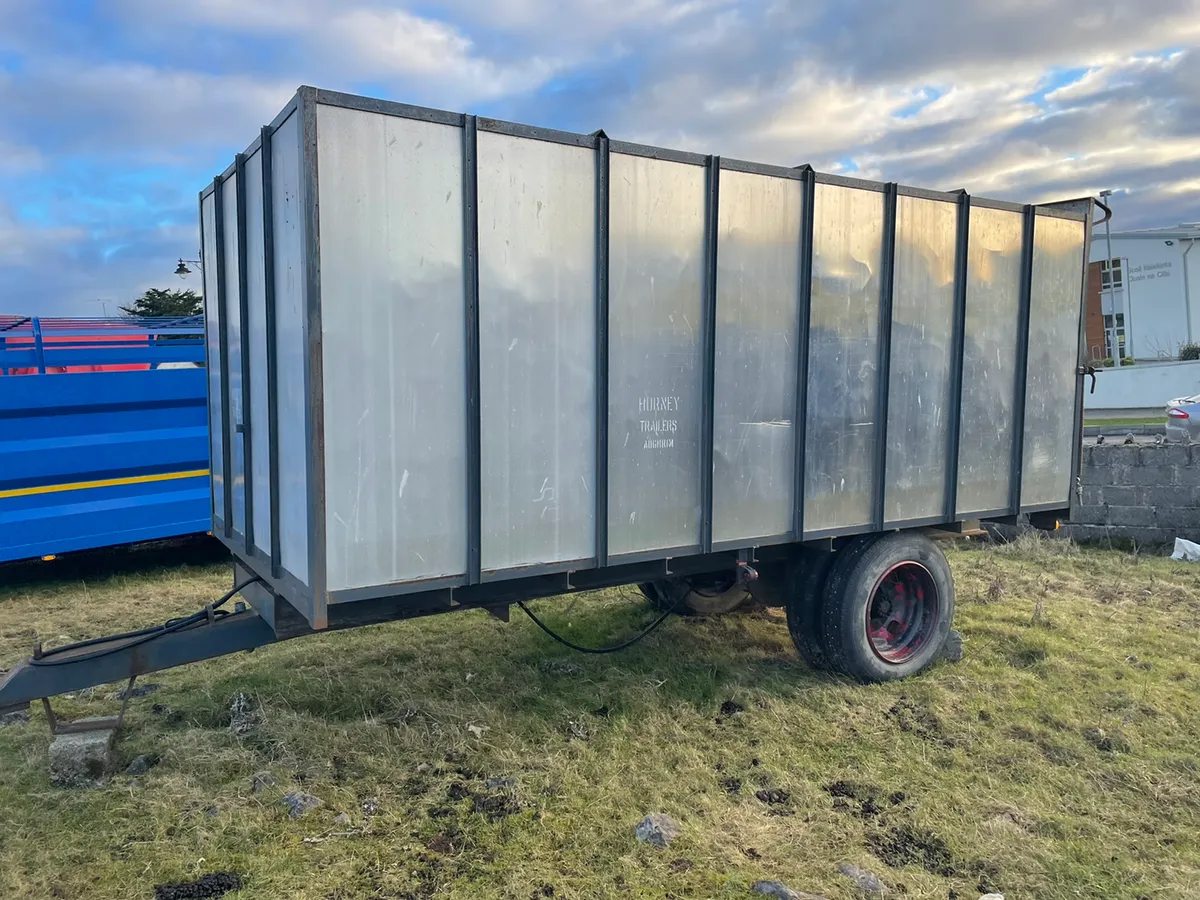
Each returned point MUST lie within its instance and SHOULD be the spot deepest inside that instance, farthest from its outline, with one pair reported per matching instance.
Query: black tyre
(888, 608)
(702, 595)
(807, 579)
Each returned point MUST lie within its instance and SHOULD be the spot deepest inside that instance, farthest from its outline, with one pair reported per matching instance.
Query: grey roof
(1181, 231)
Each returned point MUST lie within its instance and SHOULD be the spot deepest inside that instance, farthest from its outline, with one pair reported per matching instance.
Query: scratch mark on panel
(403, 482)
(513, 344)
(632, 517)
(585, 487)
(435, 340)
(546, 493)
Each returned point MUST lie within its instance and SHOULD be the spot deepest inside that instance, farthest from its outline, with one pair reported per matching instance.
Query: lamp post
(1111, 335)
(182, 269)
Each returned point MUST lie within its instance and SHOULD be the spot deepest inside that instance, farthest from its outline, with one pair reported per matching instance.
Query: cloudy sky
(113, 113)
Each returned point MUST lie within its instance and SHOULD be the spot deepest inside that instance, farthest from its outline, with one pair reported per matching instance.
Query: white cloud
(384, 43)
(136, 110)
(938, 93)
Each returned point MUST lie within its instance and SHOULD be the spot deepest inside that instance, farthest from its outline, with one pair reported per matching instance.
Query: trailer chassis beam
(33, 679)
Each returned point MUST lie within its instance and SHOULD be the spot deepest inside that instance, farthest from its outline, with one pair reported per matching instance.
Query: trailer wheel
(888, 608)
(806, 585)
(699, 595)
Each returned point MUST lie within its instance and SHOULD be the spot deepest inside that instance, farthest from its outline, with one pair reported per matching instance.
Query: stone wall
(1138, 492)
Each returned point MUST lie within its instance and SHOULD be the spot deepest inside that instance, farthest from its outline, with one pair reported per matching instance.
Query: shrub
(1190, 350)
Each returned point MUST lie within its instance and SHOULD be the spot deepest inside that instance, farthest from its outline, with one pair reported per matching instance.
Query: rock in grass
(138, 690)
(992, 897)
(261, 782)
(244, 715)
(657, 829)
(781, 891)
(952, 650)
(299, 803)
(16, 717)
(142, 764)
(866, 881)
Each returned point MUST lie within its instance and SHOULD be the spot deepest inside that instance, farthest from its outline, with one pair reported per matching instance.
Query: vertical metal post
(244, 426)
(268, 218)
(709, 358)
(884, 365)
(1022, 361)
(223, 344)
(1076, 486)
(209, 362)
(957, 348)
(602, 170)
(39, 349)
(800, 427)
(1111, 338)
(314, 360)
(471, 274)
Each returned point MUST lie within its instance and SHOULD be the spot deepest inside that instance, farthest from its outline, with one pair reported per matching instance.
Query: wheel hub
(902, 612)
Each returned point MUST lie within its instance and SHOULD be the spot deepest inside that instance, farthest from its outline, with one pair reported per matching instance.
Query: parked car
(1183, 418)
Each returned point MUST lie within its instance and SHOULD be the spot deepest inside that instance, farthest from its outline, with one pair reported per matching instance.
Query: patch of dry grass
(1059, 759)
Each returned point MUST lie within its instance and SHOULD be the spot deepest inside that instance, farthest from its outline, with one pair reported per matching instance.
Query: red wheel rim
(902, 612)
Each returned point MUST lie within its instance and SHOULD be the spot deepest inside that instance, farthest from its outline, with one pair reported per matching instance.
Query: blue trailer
(103, 433)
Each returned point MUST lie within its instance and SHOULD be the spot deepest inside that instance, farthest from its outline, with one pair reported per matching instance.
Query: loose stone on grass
(299, 803)
(866, 881)
(781, 891)
(952, 650)
(16, 717)
(262, 781)
(244, 715)
(138, 690)
(657, 829)
(142, 764)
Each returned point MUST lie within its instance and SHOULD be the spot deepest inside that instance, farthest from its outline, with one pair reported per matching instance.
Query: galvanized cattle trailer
(455, 362)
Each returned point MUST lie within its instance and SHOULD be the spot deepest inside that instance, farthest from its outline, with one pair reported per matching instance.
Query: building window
(1111, 275)
(1120, 323)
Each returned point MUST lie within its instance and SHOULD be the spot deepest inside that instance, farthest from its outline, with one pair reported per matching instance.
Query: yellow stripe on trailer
(106, 482)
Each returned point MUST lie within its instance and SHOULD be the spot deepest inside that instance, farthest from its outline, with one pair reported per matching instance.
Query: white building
(1154, 301)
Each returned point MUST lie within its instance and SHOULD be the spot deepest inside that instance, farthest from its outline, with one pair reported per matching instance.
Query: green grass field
(1060, 759)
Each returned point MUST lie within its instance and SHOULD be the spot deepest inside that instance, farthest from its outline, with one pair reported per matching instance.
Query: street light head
(182, 270)
(1106, 193)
